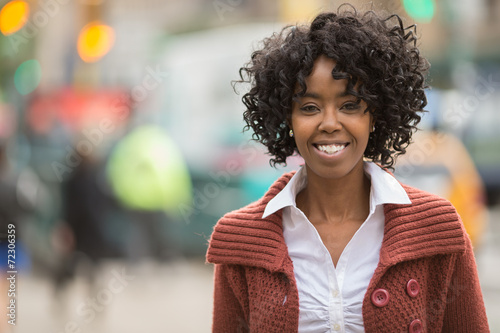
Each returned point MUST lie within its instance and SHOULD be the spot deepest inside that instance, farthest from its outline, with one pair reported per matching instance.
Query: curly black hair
(380, 58)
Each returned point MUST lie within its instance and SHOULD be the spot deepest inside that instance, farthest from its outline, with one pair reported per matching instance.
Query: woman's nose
(330, 121)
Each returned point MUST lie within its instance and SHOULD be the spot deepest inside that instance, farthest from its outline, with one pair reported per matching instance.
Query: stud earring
(291, 133)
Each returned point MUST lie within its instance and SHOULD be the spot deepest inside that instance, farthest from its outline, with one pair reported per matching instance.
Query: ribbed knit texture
(255, 288)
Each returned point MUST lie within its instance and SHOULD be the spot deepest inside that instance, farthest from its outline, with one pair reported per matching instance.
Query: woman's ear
(372, 124)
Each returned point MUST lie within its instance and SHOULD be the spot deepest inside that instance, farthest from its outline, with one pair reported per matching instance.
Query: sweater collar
(426, 227)
(243, 237)
(429, 226)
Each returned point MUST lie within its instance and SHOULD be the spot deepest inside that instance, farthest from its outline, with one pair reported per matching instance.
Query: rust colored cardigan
(255, 289)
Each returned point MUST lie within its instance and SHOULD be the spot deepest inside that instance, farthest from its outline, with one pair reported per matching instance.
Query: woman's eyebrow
(317, 96)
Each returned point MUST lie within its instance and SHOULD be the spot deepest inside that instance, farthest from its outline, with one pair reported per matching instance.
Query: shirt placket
(335, 297)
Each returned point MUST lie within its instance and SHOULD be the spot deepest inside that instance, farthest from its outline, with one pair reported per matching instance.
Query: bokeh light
(95, 41)
(13, 16)
(420, 10)
(147, 171)
(28, 76)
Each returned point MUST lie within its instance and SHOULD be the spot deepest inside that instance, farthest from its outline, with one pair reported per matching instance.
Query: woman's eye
(309, 108)
(351, 106)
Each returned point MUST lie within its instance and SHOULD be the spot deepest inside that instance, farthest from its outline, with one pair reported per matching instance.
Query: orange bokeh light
(13, 16)
(95, 41)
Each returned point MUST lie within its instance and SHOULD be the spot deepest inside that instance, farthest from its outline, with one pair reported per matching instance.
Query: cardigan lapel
(427, 227)
(243, 237)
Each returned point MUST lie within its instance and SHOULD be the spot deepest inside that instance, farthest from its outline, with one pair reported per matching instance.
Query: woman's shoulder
(251, 211)
(245, 230)
(421, 198)
(247, 219)
(429, 221)
(424, 206)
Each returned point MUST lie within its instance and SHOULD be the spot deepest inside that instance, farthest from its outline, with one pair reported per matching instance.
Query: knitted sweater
(255, 288)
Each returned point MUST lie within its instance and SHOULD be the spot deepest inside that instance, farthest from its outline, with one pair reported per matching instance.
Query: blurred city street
(174, 297)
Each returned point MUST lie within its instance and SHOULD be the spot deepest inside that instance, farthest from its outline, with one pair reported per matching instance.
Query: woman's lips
(331, 149)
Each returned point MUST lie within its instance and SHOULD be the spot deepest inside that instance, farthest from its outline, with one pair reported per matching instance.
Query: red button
(416, 326)
(412, 288)
(380, 297)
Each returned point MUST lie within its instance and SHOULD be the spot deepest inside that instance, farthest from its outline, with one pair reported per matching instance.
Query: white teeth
(330, 149)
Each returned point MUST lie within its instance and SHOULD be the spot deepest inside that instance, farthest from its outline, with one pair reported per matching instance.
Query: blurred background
(121, 145)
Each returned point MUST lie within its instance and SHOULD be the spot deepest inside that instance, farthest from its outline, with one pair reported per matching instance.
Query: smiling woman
(341, 245)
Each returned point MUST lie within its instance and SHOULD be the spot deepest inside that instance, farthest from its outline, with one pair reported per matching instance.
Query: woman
(340, 245)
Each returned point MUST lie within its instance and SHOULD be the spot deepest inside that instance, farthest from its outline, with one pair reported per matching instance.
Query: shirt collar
(286, 197)
(385, 189)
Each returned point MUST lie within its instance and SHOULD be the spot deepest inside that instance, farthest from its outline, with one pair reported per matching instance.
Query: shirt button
(335, 293)
(336, 327)
(380, 297)
(416, 326)
(412, 288)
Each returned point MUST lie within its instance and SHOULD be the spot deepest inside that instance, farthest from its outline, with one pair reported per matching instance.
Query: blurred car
(439, 163)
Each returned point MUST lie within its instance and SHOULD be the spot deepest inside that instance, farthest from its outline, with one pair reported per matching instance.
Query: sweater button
(412, 288)
(380, 297)
(416, 326)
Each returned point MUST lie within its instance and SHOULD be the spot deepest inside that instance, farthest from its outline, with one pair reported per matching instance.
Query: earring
(291, 133)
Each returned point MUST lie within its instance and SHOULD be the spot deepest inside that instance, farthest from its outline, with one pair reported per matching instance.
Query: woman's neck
(336, 200)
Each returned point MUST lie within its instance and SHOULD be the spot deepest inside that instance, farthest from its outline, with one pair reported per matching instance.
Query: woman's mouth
(332, 148)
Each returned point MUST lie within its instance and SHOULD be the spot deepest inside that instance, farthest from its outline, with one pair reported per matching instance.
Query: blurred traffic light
(95, 41)
(420, 10)
(13, 16)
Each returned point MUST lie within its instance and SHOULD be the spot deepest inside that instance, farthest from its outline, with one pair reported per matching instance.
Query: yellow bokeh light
(13, 16)
(94, 41)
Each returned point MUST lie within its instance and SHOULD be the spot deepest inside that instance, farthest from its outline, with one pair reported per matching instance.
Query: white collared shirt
(331, 298)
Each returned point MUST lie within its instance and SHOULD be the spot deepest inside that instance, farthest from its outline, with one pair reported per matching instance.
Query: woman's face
(330, 129)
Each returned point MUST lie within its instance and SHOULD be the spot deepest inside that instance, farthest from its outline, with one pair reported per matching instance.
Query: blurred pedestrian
(82, 238)
(340, 245)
